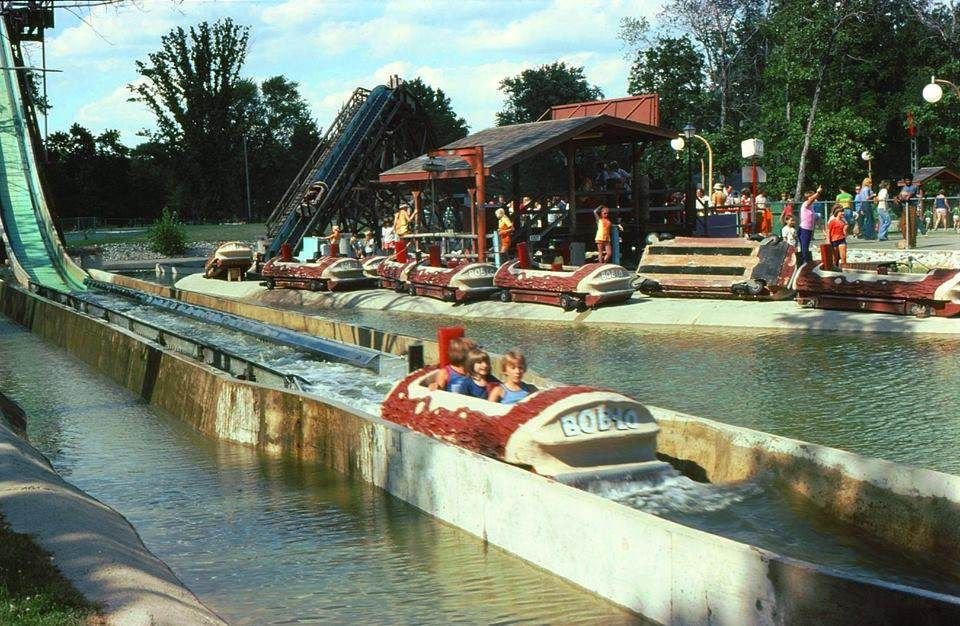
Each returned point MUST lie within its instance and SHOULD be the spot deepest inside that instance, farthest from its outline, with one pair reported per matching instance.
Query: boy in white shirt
(789, 232)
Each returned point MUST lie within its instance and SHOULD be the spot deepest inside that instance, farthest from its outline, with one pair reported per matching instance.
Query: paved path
(640, 310)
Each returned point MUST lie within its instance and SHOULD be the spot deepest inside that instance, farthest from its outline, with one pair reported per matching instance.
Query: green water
(263, 540)
(895, 397)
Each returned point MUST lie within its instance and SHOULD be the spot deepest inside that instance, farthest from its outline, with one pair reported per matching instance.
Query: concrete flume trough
(660, 569)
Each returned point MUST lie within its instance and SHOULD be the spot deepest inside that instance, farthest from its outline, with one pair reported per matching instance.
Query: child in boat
(512, 389)
(478, 382)
(453, 374)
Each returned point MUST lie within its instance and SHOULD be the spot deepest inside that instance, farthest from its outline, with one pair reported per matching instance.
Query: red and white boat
(879, 290)
(586, 286)
(371, 265)
(328, 273)
(233, 257)
(392, 272)
(573, 434)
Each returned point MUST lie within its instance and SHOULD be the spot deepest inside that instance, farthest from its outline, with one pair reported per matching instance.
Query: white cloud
(465, 47)
(295, 12)
(114, 111)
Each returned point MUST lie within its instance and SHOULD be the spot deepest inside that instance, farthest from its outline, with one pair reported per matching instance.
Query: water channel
(738, 377)
(896, 397)
(266, 540)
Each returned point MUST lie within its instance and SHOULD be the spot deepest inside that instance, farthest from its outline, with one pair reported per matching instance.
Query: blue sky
(330, 48)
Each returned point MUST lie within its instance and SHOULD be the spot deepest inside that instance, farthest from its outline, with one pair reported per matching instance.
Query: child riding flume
(512, 389)
(453, 374)
(478, 382)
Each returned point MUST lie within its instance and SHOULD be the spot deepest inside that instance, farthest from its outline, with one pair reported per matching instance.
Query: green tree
(87, 175)
(446, 124)
(281, 135)
(532, 92)
(674, 69)
(192, 85)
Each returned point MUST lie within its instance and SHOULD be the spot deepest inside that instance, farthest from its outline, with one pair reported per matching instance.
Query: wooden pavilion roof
(505, 146)
(941, 173)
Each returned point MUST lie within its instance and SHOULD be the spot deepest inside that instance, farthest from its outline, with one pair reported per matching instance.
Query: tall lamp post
(690, 131)
(932, 92)
(868, 157)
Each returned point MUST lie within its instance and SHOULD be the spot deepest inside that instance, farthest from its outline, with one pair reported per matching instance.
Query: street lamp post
(868, 157)
(690, 131)
(932, 92)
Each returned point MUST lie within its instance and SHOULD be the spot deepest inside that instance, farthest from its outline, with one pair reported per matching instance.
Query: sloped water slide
(335, 166)
(35, 250)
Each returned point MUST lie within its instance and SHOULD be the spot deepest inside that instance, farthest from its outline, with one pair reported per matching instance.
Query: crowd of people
(866, 214)
(469, 372)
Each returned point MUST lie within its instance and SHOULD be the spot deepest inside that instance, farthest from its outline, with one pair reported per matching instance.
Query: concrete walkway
(92, 545)
(639, 310)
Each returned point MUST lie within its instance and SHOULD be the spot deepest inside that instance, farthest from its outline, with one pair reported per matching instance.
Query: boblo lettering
(597, 420)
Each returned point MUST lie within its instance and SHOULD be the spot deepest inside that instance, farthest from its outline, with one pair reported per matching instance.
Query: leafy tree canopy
(534, 91)
(447, 125)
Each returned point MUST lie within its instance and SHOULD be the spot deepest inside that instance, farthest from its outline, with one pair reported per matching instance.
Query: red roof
(644, 109)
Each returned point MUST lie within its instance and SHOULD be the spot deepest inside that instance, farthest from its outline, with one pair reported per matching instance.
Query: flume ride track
(356, 144)
(33, 246)
(207, 350)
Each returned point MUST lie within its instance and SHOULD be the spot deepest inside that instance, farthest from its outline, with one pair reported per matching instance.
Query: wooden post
(638, 186)
(515, 187)
(481, 199)
(472, 213)
(570, 151)
(417, 203)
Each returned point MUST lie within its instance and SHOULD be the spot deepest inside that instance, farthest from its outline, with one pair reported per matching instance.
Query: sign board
(751, 148)
(746, 174)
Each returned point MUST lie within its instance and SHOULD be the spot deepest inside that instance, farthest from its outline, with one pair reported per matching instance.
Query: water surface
(265, 540)
(895, 397)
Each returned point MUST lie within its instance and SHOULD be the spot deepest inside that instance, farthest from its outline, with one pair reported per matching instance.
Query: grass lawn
(32, 591)
(195, 232)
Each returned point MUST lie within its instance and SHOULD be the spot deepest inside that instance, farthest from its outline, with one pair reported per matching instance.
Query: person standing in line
(701, 201)
(845, 200)
(787, 210)
(718, 198)
(604, 238)
(402, 219)
(807, 221)
(504, 230)
(883, 210)
(747, 222)
(789, 232)
(765, 214)
(836, 232)
(956, 218)
(941, 209)
(865, 199)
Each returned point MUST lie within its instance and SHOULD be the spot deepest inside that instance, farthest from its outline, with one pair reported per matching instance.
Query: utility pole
(246, 171)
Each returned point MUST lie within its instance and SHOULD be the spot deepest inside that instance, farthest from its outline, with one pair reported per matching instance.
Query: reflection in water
(266, 540)
(883, 395)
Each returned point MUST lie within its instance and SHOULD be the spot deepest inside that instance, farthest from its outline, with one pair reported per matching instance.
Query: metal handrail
(162, 337)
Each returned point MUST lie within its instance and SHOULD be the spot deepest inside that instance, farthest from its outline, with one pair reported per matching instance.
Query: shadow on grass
(32, 591)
